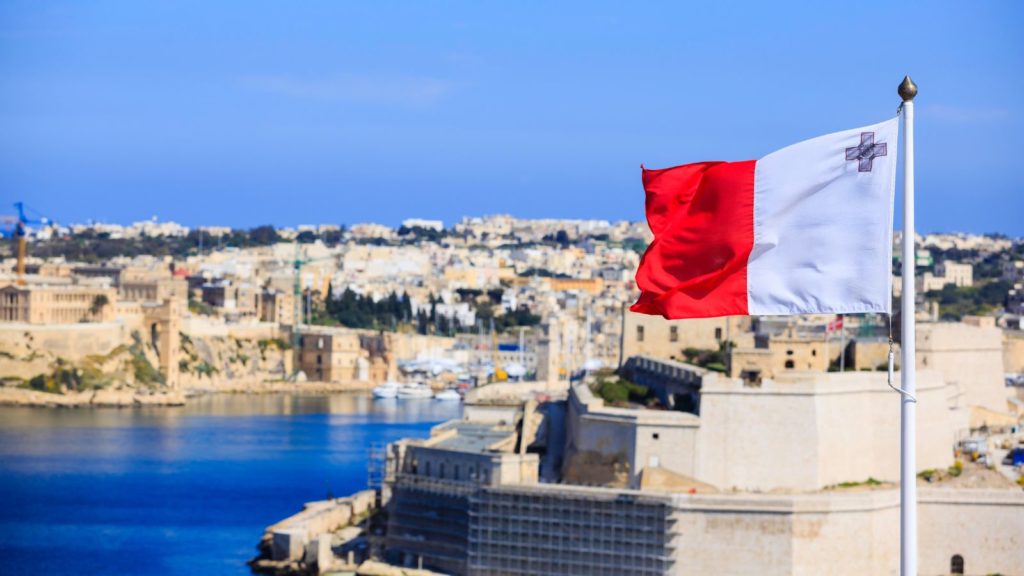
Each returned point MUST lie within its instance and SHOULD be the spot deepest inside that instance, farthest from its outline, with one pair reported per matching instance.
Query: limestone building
(754, 485)
(970, 357)
(764, 355)
(328, 355)
(57, 304)
(645, 335)
(276, 306)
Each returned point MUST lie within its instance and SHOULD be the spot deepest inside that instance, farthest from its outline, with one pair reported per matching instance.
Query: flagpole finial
(907, 89)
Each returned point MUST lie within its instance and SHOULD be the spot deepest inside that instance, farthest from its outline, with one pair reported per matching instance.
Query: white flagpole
(908, 428)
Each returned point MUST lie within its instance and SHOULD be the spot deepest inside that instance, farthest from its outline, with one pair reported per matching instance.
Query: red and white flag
(835, 324)
(804, 230)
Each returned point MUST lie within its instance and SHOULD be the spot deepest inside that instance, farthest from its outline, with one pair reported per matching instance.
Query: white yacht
(410, 391)
(448, 395)
(386, 390)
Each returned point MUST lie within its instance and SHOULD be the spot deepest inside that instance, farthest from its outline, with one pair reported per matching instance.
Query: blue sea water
(181, 490)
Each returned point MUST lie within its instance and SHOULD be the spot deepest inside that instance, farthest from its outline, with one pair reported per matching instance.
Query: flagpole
(908, 428)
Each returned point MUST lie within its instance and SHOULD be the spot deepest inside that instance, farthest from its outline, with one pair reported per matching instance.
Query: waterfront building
(767, 480)
(337, 355)
(57, 304)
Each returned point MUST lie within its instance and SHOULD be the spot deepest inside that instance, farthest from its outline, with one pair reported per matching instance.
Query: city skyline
(117, 112)
(400, 221)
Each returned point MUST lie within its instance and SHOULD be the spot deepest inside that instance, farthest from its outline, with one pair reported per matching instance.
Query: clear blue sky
(245, 113)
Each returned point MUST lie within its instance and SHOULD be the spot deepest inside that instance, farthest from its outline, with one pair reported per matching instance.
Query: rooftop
(462, 436)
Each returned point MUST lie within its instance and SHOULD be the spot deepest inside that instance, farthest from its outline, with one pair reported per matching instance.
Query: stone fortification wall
(213, 362)
(204, 362)
(608, 446)
(27, 350)
(847, 532)
(812, 534)
(1013, 351)
(970, 358)
(811, 431)
(984, 527)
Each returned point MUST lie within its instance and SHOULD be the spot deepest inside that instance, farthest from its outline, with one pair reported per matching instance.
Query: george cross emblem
(866, 152)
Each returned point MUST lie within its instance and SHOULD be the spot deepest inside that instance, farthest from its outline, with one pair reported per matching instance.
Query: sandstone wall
(814, 430)
(985, 527)
(969, 358)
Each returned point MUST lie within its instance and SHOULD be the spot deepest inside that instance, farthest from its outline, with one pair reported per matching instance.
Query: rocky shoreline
(123, 398)
(131, 397)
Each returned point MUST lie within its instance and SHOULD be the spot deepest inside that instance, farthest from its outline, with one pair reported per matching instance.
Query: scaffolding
(428, 523)
(376, 465)
(547, 532)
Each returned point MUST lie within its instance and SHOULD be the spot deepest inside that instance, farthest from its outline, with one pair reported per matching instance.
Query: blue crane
(19, 224)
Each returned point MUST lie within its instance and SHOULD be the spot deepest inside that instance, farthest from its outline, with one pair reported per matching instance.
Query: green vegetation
(359, 311)
(635, 244)
(713, 360)
(98, 303)
(144, 372)
(95, 247)
(278, 343)
(65, 376)
(205, 369)
(419, 233)
(956, 469)
(560, 238)
(395, 312)
(616, 390)
(201, 308)
(957, 302)
(869, 482)
(986, 267)
(933, 474)
(521, 316)
(542, 273)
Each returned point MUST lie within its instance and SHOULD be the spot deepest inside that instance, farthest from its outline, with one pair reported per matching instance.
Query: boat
(386, 390)
(448, 395)
(412, 391)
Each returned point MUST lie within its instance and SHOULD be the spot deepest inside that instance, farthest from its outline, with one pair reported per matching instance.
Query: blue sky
(245, 113)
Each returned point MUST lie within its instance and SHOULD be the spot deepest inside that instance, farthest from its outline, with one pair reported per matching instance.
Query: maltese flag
(804, 230)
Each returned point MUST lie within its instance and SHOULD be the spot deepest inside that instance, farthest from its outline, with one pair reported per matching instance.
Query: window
(789, 352)
(440, 470)
(789, 365)
(673, 333)
(956, 564)
(426, 468)
(639, 333)
(655, 435)
(814, 352)
(457, 472)
(320, 343)
(319, 359)
(718, 333)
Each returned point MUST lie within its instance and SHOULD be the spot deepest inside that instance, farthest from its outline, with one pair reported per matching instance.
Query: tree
(263, 235)
(98, 303)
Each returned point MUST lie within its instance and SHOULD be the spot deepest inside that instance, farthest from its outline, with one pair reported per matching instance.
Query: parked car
(1014, 457)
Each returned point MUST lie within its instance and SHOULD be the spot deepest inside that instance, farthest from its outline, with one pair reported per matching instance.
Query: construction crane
(19, 223)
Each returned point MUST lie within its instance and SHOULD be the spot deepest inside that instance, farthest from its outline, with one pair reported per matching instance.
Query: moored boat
(386, 390)
(412, 391)
(448, 395)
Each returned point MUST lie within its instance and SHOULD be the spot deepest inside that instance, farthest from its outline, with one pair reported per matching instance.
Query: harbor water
(181, 490)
